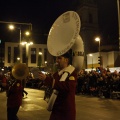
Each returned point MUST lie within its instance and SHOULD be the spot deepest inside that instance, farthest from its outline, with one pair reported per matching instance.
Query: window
(16, 54)
(24, 55)
(33, 55)
(90, 18)
(9, 54)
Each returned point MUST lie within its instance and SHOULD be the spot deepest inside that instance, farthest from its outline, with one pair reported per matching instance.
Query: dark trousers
(12, 113)
(24, 92)
(2, 88)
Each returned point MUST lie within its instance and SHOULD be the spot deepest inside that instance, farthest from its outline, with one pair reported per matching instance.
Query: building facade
(34, 59)
(88, 12)
(33, 55)
(109, 59)
(1, 54)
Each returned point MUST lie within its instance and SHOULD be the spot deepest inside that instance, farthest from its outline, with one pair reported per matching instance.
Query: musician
(14, 97)
(65, 83)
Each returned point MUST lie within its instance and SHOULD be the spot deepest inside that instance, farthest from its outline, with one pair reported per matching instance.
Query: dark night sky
(43, 13)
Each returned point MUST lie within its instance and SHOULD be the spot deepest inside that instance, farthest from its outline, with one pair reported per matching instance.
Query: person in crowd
(64, 81)
(24, 84)
(14, 91)
(3, 82)
(80, 82)
(103, 83)
(24, 91)
(0, 82)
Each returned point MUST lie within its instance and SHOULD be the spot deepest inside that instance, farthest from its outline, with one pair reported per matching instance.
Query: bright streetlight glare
(18, 58)
(40, 53)
(28, 43)
(90, 55)
(11, 27)
(31, 43)
(45, 62)
(23, 43)
(97, 39)
(27, 33)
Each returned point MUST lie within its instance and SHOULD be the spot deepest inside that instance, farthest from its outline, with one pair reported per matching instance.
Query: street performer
(14, 91)
(63, 83)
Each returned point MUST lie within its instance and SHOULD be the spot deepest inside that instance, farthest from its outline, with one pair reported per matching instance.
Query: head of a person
(63, 60)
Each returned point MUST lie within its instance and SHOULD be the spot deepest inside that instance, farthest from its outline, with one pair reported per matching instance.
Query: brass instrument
(20, 71)
(64, 35)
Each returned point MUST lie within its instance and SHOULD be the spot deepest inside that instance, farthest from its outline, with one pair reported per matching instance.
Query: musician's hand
(42, 76)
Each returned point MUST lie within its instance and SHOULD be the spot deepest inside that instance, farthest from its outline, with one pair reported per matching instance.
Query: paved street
(88, 108)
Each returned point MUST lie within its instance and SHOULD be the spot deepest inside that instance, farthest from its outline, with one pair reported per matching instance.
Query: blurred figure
(24, 92)
(24, 84)
(80, 81)
(3, 82)
(0, 82)
(14, 91)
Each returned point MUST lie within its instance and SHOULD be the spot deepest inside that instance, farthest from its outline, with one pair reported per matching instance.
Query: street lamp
(27, 44)
(92, 59)
(17, 23)
(27, 33)
(100, 57)
(98, 40)
(40, 59)
(118, 7)
(40, 53)
(20, 24)
(12, 27)
(18, 59)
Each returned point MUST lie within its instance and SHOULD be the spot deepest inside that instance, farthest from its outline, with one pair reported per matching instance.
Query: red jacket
(64, 106)
(14, 98)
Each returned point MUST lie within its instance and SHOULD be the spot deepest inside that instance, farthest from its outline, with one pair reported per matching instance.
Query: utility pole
(118, 6)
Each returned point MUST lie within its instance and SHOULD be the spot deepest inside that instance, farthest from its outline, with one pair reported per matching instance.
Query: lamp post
(27, 44)
(45, 62)
(118, 7)
(12, 27)
(100, 57)
(18, 23)
(18, 59)
(40, 59)
(98, 40)
(92, 59)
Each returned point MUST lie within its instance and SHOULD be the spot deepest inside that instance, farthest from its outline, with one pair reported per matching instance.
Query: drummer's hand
(42, 76)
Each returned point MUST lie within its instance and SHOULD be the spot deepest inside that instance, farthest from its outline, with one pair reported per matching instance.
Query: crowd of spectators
(100, 83)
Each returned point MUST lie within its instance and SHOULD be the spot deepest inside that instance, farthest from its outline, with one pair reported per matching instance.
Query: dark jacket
(14, 91)
(64, 106)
